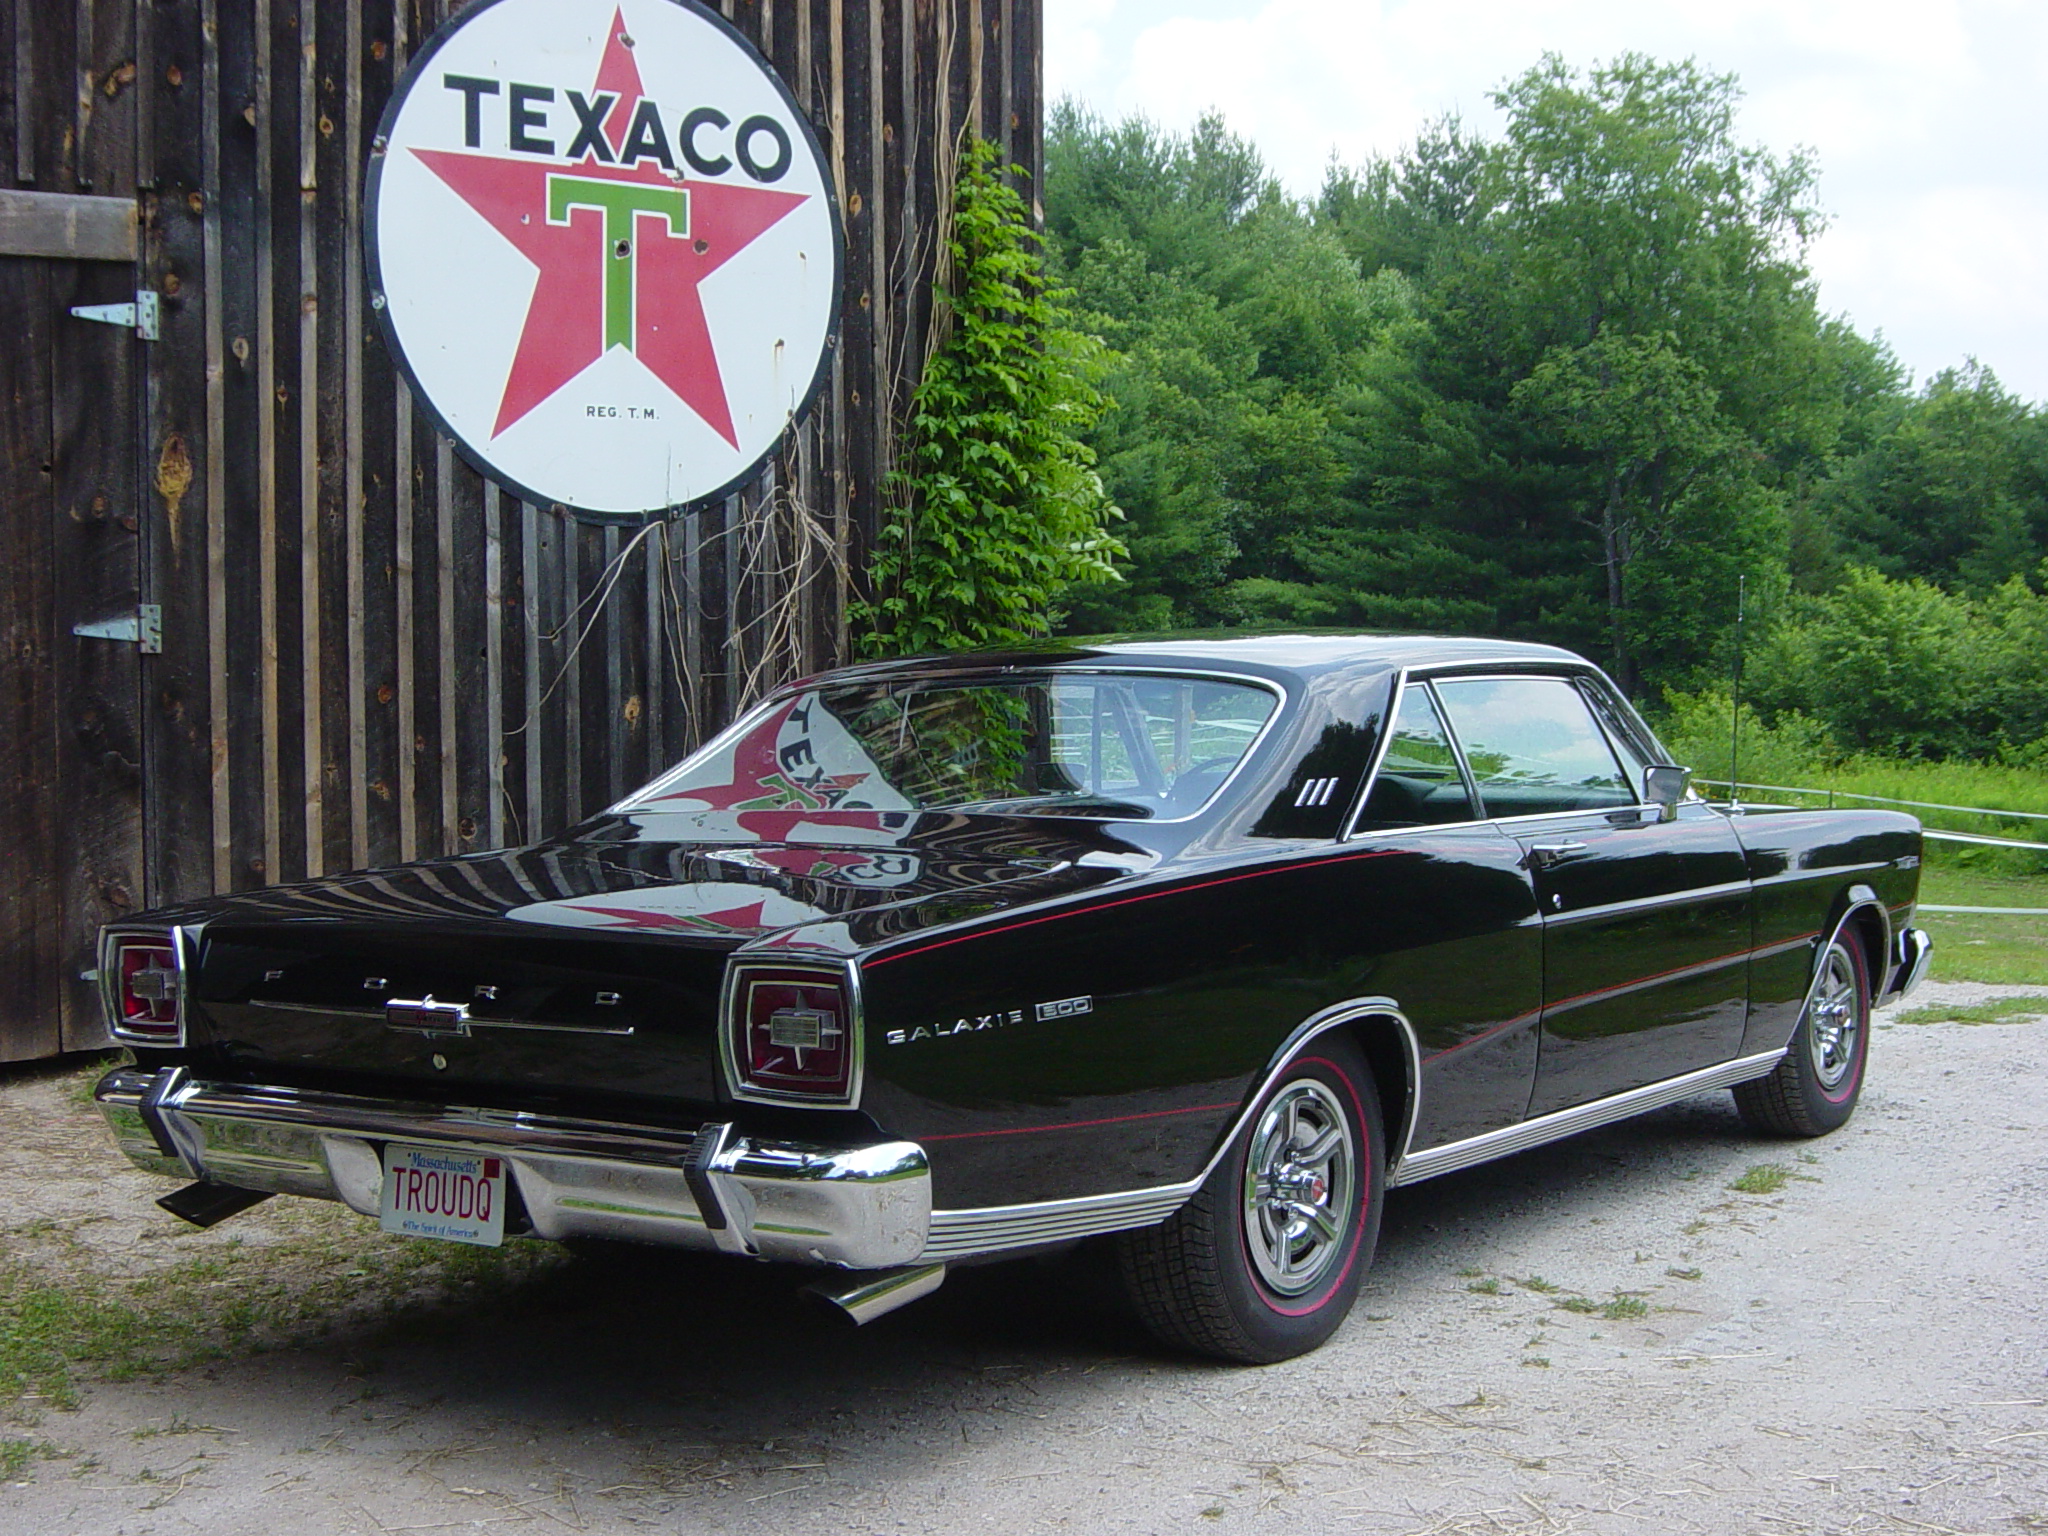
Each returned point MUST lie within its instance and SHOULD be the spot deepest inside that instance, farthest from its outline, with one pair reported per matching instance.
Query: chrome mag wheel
(1835, 1026)
(1300, 1188)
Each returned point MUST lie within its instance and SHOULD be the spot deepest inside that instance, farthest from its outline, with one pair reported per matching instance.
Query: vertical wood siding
(371, 653)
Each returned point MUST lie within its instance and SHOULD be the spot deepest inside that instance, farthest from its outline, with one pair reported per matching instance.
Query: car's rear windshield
(1112, 745)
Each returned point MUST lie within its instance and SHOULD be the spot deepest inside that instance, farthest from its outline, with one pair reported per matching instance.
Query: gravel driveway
(1601, 1336)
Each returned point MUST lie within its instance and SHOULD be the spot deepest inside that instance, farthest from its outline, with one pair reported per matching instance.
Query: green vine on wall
(995, 508)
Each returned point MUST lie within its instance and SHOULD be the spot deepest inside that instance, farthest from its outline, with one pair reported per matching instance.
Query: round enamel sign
(605, 250)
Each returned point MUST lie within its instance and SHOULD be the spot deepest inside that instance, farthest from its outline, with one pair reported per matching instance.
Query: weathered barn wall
(369, 652)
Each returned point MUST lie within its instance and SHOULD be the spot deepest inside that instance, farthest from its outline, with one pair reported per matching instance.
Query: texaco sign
(604, 247)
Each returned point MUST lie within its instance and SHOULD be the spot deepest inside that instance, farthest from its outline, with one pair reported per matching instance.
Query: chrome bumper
(864, 1207)
(1912, 949)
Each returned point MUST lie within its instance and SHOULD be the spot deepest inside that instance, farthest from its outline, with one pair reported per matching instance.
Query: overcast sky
(1929, 120)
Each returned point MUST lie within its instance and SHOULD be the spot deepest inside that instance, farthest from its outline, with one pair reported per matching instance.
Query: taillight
(792, 1035)
(142, 987)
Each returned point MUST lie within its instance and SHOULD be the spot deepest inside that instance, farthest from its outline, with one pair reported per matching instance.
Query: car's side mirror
(1665, 785)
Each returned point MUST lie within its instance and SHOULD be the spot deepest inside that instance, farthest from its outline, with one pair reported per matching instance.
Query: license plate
(458, 1197)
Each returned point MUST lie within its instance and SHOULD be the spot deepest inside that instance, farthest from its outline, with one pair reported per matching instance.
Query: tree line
(1572, 383)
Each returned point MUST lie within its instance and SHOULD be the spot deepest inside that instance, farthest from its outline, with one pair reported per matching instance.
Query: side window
(1533, 746)
(1419, 784)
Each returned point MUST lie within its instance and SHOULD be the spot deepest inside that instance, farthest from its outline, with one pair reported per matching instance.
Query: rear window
(1121, 746)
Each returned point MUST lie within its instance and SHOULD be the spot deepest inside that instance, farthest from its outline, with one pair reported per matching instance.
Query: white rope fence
(1931, 833)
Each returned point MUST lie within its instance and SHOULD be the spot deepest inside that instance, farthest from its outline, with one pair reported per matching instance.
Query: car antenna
(1735, 703)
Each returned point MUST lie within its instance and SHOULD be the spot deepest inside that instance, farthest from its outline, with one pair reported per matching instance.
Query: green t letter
(622, 203)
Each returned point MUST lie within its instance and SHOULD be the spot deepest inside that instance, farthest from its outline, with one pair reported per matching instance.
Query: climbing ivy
(995, 508)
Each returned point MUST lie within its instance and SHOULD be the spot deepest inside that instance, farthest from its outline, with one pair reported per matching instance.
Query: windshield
(1121, 746)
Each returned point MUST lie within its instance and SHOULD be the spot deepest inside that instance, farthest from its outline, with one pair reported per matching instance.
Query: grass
(2011, 951)
(15, 1455)
(1619, 1308)
(64, 1322)
(1486, 1287)
(1999, 1010)
(1761, 1179)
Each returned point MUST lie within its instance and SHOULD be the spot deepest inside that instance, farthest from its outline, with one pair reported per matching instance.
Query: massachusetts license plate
(456, 1196)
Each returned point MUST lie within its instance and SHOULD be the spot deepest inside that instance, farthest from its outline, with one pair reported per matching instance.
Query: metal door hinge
(142, 317)
(143, 627)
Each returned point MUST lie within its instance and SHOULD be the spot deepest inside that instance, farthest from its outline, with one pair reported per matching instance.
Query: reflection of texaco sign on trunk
(604, 247)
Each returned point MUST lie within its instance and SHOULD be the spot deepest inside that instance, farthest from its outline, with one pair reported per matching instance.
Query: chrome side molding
(997, 1228)
(1433, 1161)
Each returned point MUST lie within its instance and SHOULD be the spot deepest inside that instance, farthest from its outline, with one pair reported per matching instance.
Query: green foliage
(1568, 384)
(1905, 669)
(997, 509)
(1762, 1179)
(2000, 1010)
(1953, 487)
(1697, 729)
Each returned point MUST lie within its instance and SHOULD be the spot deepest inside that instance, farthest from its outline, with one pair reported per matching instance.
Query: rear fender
(1383, 1035)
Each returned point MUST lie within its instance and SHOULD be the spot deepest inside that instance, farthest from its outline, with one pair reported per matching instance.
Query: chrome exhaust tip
(867, 1294)
(206, 1204)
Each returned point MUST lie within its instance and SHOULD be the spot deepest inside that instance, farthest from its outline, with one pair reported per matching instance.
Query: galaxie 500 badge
(604, 247)
(1002, 1018)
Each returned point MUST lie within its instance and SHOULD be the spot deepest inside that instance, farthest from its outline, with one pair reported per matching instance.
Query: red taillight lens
(144, 991)
(794, 1035)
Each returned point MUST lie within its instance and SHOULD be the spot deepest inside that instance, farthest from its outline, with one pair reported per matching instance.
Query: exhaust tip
(870, 1293)
(204, 1204)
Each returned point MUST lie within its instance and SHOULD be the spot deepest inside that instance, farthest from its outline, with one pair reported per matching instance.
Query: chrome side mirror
(1664, 785)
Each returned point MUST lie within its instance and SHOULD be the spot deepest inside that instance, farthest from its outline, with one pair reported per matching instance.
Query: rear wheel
(1264, 1262)
(1814, 1089)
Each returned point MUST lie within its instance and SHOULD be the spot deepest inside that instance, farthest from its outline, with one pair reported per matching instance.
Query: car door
(1453, 914)
(1645, 920)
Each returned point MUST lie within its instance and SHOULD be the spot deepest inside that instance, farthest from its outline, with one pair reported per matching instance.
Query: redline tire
(1265, 1261)
(1813, 1090)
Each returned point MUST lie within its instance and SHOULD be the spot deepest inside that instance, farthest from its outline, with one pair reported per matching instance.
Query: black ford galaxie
(1201, 943)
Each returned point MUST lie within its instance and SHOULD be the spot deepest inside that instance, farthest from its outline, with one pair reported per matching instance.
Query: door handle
(1543, 855)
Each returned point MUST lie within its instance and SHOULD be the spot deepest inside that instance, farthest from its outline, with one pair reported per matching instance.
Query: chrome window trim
(637, 801)
(1379, 756)
(1595, 685)
(1615, 810)
(1484, 669)
(1402, 678)
(1433, 1162)
(1572, 678)
(844, 974)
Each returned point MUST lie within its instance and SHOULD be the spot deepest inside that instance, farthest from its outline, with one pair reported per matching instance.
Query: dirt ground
(1600, 1336)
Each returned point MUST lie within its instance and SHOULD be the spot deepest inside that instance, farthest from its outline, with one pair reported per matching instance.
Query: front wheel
(1264, 1262)
(1814, 1088)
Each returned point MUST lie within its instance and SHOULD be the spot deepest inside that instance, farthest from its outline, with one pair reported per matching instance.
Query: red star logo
(748, 917)
(621, 244)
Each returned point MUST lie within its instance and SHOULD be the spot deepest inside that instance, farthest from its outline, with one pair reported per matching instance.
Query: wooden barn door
(70, 753)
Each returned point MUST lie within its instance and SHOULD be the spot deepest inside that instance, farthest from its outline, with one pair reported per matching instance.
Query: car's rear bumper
(860, 1207)
(1912, 949)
